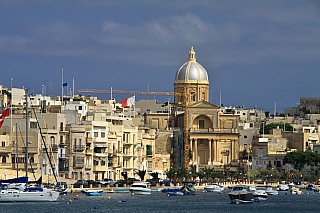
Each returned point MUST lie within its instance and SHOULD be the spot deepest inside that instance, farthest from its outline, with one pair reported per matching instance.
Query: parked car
(60, 184)
(120, 182)
(152, 182)
(93, 183)
(131, 180)
(109, 181)
(81, 182)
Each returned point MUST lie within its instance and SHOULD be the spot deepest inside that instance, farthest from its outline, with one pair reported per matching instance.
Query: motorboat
(260, 194)
(213, 187)
(21, 192)
(296, 191)
(110, 190)
(241, 194)
(187, 189)
(174, 189)
(310, 187)
(282, 187)
(140, 188)
(93, 192)
(270, 191)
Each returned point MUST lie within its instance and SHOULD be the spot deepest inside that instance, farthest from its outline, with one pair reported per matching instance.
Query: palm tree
(141, 174)
(171, 174)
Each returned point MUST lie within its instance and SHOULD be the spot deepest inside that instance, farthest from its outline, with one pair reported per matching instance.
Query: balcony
(5, 149)
(213, 130)
(78, 148)
(63, 169)
(5, 165)
(63, 156)
(30, 150)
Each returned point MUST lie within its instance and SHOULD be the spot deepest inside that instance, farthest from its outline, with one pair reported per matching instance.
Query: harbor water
(159, 202)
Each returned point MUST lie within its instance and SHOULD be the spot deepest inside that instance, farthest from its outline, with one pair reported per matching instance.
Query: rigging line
(26, 151)
(44, 143)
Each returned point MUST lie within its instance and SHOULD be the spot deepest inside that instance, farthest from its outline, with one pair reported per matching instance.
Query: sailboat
(18, 189)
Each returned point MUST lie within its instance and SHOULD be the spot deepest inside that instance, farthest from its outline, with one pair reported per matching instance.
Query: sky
(259, 54)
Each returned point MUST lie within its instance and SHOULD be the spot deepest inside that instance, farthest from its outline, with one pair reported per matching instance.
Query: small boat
(241, 194)
(270, 191)
(175, 193)
(18, 191)
(108, 190)
(93, 192)
(310, 187)
(260, 195)
(140, 188)
(174, 189)
(296, 191)
(213, 187)
(282, 187)
(157, 189)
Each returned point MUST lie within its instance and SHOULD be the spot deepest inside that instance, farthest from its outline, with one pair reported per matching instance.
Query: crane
(185, 95)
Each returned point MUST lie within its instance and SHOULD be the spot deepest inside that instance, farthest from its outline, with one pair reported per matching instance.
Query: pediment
(204, 104)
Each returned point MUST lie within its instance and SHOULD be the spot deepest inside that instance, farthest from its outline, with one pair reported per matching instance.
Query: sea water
(159, 202)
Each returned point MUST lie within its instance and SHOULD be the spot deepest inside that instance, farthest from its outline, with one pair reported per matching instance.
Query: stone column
(192, 151)
(210, 150)
(196, 151)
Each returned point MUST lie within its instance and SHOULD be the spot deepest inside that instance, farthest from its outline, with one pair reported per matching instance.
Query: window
(95, 163)
(103, 134)
(33, 125)
(80, 107)
(193, 97)
(95, 134)
(103, 163)
(203, 96)
(3, 144)
(149, 150)
(61, 126)
(245, 136)
(201, 124)
(4, 160)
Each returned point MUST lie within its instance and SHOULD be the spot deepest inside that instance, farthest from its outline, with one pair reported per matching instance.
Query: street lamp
(5, 176)
(227, 154)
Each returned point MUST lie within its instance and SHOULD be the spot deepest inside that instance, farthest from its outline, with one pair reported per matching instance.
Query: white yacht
(260, 194)
(213, 187)
(282, 187)
(21, 193)
(140, 188)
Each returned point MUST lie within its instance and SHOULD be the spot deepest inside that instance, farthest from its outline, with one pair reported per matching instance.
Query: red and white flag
(5, 113)
(128, 102)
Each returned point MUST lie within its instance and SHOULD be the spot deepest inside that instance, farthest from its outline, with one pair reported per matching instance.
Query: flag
(5, 113)
(65, 84)
(128, 102)
(165, 104)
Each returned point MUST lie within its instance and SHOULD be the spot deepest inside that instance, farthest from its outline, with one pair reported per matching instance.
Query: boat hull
(142, 191)
(241, 197)
(22, 196)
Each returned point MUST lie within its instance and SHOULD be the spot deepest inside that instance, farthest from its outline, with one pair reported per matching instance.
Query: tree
(141, 174)
(207, 172)
(155, 176)
(275, 126)
(299, 158)
(171, 174)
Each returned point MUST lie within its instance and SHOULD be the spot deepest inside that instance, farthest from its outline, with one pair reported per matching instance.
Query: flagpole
(134, 106)
(168, 114)
(111, 93)
(11, 114)
(62, 90)
(72, 88)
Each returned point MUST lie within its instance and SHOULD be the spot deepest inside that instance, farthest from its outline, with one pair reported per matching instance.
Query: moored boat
(213, 187)
(93, 192)
(241, 194)
(282, 187)
(296, 191)
(140, 188)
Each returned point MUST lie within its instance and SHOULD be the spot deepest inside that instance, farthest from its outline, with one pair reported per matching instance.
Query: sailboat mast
(17, 158)
(27, 130)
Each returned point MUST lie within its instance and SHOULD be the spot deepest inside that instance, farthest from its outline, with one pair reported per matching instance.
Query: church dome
(192, 71)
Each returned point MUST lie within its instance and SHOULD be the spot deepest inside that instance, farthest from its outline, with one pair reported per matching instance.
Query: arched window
(4, 160)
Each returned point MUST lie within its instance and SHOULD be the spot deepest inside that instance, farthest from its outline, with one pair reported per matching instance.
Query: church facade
(213, 135)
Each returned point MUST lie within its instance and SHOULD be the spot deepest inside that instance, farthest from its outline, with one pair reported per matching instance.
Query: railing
(63, 169)
(5, 149)
(213, 130)
(78, 148)
(5, 165)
